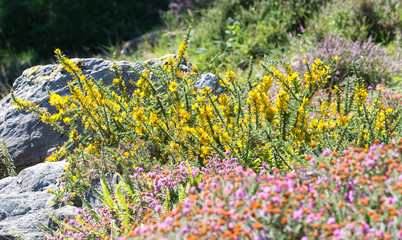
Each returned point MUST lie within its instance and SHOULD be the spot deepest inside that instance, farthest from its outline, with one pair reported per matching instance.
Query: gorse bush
(166, 120)
(372, 62)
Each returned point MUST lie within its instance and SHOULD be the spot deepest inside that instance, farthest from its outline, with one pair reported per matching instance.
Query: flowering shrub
(158, 190)
(358, 20)
(371, 61)
(168, 121)
(352, 195)
(356, 196)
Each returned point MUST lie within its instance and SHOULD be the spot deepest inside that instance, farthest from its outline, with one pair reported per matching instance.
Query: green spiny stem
(238, 110)
(284, 118)
(277, 151)
(222, 148)
(340, 139)
(217, 111)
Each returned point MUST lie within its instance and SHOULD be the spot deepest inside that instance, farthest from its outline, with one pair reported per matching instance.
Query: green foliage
(7, 167)
(242, 28)
(358, 20)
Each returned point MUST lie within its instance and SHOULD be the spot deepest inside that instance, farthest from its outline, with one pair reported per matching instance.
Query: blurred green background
(237, 30)
(30, 30)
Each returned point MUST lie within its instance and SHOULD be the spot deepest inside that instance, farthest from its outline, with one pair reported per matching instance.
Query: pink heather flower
(158, 208)
(186, 211)
(298, 214)
(310, 218)
(185, 230)
(350, 226)
(227, 152)
(370, 87)
(187, 203)
(378, 87)
(391, 200)
(239, 170)
(144, 228)
(331, 220)
(350, 196)
(228, 188)
(326, 152)
(276, 199)
(240, 194)
(168, 220)
(137, 231)
(304, 238)
(380, 233)
(214, 185)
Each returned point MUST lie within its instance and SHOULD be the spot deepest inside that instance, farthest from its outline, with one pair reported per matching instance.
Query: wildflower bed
(243, 164)
(351, 195)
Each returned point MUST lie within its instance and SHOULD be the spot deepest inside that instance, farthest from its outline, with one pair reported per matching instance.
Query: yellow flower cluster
(314, 78)
(361, 94)
(259, 99)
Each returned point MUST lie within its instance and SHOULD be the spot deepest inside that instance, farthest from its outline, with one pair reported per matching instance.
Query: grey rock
(62, 213)
(23, 197)
(92, 197)
(30, 141)
(24, 200)
(211, 81)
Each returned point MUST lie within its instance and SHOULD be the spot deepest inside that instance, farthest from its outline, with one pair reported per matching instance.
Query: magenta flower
(326, 152)
(331, 220)
(298, 214)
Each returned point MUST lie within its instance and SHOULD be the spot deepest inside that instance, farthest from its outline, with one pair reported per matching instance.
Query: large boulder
(30, 141)
(23, 197)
